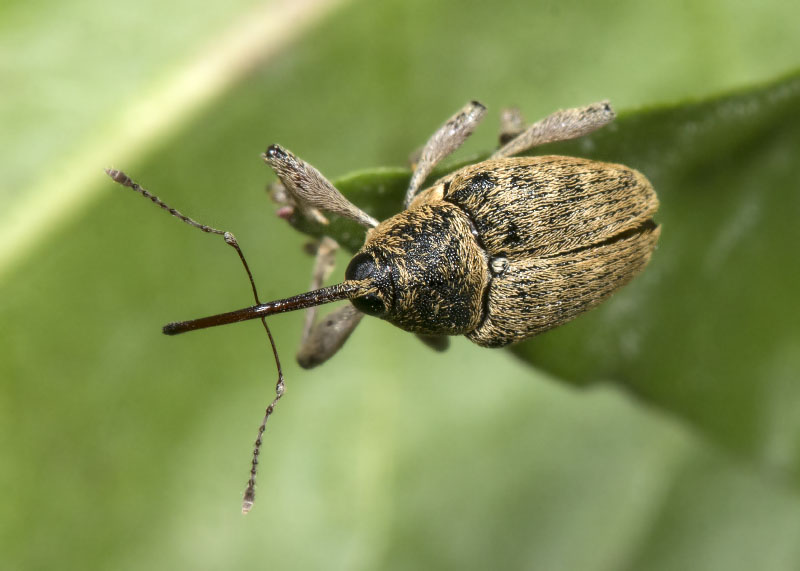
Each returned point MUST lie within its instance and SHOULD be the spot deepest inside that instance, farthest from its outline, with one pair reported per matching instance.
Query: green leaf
(710, 331)
(705, 334)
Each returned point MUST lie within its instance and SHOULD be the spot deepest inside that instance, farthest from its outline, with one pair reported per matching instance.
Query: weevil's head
(422, 270)
(426, 272)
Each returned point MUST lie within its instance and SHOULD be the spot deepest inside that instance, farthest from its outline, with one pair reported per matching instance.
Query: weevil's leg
(560, 126)
(444, 141)
(512, 123)
(321, 341)
(323, 266)
(436, 342)
(287, 204)
(308, 187)
(328, 336)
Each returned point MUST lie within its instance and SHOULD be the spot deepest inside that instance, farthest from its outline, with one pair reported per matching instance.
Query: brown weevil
(497, 251)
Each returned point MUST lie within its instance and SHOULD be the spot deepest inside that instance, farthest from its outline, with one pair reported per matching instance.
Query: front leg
(328, 336)
(322, 340)
(324, 262)
(310, 189)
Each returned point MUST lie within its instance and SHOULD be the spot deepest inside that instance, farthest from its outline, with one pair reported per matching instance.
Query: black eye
(361, 267)
(369, 304)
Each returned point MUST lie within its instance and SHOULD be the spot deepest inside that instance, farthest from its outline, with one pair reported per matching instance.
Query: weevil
(497, 251)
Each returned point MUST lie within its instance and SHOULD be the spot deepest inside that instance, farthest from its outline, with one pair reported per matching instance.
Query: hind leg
(559, 126)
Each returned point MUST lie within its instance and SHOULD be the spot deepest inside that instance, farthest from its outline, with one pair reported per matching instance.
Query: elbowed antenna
(345, 290)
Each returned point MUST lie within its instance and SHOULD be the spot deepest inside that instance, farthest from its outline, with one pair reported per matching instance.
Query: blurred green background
(125, 449)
